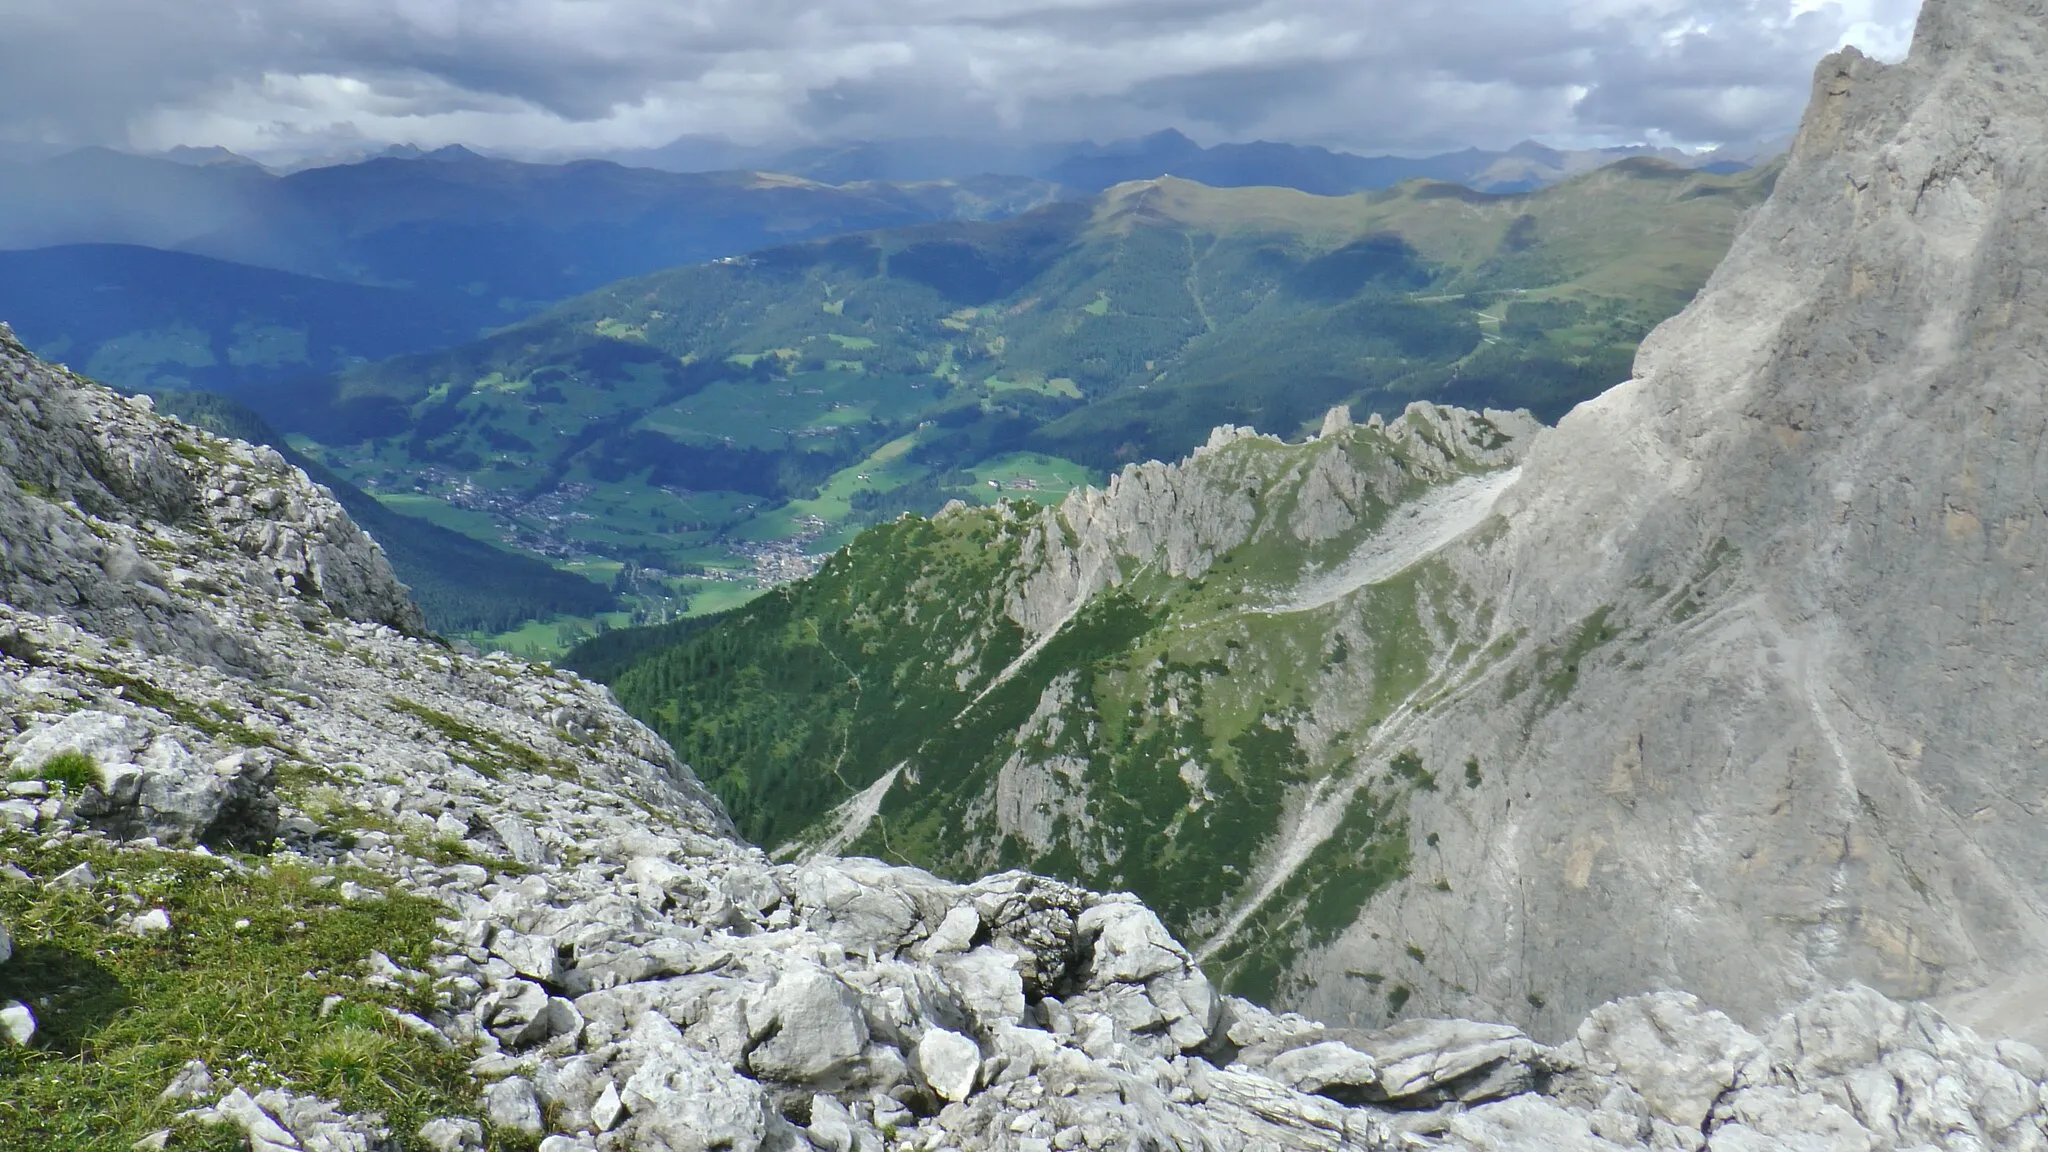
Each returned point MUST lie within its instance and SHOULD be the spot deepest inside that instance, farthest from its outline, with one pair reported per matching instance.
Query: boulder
(806, 1028)
(321, 1126)
(534, 957)
(1670, 1048)
(452, 1134)
(832, 1127)
(150, 923)
(1527, 1123)
(955, 933)
(1128, 945)
(866, 905)
(989, 985)
(1424, 1063)
(152, 785)
(948, 1063)
(1188, 1005)
(264, 1132)
(77, 878)
(193, 1082)
(1331, 1069)
(511, 1105)
(682, 1099)
(6, 944)
(517, 837)
(17, 1023)
(517, 1013)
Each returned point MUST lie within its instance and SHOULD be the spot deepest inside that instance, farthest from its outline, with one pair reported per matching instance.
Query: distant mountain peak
(454, 153)
(207, 156)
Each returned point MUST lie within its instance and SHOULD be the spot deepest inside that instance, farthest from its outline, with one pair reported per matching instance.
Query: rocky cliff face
(1802, 743)
(280, 871)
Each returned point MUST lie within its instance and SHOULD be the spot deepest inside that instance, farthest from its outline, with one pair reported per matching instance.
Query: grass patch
(119, 1015)
(490, 754)
(202, 450)
(214, 718)
(75, 770)
(1555, 669)
(1407, 764)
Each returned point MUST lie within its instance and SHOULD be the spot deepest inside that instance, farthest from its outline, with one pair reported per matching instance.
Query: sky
(276, 78)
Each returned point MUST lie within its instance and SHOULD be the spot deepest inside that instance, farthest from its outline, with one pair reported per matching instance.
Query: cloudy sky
(276, 77)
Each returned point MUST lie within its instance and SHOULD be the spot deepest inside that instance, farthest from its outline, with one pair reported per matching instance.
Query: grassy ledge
(238, 982)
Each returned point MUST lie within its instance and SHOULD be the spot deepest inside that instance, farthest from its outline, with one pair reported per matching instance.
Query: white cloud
(285, 75)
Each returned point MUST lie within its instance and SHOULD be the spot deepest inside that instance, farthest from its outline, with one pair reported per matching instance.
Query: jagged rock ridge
(1131, 689)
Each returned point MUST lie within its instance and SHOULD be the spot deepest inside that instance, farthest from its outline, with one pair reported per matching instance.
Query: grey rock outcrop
(78, 455)
(150, 785)
(280, 1121)
(1178, 518)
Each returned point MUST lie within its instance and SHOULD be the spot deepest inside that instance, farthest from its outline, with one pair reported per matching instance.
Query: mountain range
(1086, 166)
(1258, 305)
(510, 235)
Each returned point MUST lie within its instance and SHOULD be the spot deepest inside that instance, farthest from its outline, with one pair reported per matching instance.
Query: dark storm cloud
(548, 74)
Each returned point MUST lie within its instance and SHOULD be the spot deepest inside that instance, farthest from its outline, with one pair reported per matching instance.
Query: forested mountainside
(1730, 688)
(148, 320)
(1132, 689)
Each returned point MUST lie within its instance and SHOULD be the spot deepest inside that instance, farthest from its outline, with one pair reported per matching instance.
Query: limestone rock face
(70, 450)
(1179, 518)
(1730, 684)
(1772, 721)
